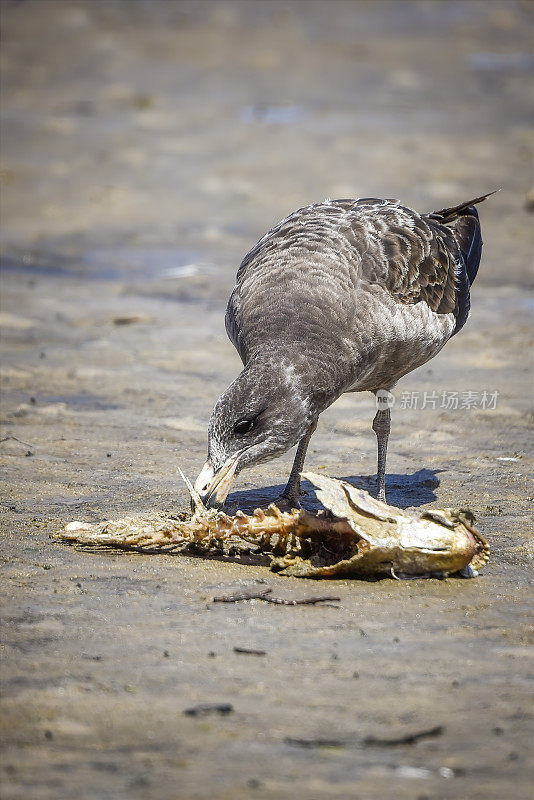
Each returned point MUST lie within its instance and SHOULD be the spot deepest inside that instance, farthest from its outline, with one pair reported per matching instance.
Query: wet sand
(146, 147)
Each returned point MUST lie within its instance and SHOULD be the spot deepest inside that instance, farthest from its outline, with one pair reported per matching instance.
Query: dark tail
(467, 234)
(447, 215)
(463, 219)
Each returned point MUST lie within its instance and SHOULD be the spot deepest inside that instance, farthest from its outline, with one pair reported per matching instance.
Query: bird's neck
(315, 378)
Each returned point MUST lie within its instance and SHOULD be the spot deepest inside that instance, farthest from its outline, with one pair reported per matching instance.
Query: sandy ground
(146, 147)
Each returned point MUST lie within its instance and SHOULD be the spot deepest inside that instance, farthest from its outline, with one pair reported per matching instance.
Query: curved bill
(216, 485)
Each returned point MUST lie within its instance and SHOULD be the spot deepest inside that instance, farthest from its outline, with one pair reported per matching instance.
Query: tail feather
(447, 215)
(467, 234)
(463, 219)
(464, 224)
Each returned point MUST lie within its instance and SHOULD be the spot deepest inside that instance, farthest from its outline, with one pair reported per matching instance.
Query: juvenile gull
(341, 296)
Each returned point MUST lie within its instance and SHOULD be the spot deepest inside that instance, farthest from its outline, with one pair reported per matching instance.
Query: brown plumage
(341, 296)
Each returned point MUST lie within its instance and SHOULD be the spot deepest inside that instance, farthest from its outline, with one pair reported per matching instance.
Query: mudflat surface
(146, 147)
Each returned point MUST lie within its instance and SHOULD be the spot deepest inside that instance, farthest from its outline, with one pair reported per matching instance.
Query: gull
(341, 296)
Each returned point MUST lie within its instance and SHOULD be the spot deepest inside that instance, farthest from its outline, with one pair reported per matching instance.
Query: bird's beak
(211, 484)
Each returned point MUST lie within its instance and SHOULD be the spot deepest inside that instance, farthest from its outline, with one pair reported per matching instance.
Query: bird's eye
(243, 426)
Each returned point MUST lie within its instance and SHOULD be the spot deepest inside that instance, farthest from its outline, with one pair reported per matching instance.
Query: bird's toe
(287, 502)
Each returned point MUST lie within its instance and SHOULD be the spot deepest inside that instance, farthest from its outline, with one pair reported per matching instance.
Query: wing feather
(379, 244)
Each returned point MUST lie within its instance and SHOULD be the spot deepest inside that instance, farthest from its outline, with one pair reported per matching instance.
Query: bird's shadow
(403, 491)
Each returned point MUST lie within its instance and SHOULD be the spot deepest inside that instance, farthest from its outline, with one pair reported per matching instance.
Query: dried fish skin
(387, 540)
(361, 538)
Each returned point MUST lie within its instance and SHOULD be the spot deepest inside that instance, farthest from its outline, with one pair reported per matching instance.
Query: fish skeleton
(356, 537)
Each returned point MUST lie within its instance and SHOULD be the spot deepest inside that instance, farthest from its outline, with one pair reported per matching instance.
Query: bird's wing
(433, 258)
(349, 244)
(414, 258)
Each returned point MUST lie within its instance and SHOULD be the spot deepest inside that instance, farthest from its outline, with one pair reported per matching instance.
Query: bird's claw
(287, 502)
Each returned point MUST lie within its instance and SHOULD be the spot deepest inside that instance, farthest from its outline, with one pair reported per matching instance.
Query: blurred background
(141, 134)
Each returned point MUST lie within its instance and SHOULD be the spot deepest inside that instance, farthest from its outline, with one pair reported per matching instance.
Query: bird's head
(262, 414)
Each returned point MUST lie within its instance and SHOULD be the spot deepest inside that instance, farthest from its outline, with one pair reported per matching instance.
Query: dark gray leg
(291, 494)
(381, 424)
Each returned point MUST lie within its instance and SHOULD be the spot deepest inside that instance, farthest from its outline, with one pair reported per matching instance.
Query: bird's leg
(381, 424)
(291, 494)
